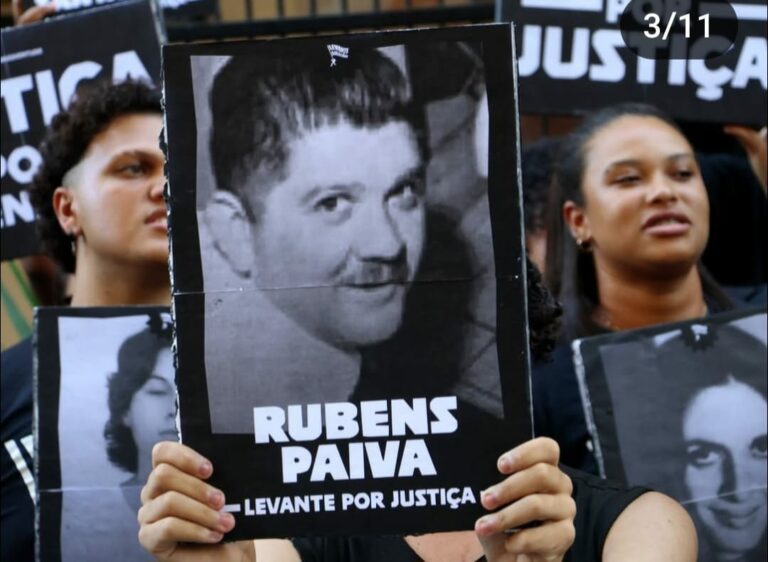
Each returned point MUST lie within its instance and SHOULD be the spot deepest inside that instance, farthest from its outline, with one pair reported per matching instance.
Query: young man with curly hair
(99, 199)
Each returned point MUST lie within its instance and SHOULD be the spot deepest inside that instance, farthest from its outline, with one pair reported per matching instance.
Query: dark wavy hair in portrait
(70, 134)
(292, 93)
(135, 361)
(689, 362)
(570, 273)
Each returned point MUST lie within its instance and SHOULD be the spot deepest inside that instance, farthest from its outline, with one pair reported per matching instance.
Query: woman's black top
(598, 504)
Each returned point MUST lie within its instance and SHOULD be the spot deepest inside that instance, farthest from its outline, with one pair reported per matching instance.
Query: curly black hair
(544, 314)
(94, 107)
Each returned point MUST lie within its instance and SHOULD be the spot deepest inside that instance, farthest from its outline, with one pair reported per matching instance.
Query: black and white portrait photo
(344, 252)
(103, 407)
(327, 238)
(689, 418)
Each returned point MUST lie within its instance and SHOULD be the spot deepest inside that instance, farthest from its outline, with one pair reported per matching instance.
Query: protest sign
(681, 408)
(578, 55)
(349, 286)
(104, 395)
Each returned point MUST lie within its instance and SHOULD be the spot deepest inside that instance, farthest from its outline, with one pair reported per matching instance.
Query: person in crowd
(628, 222)
(723, 467)
(582, 517)
(142, 403)
(99, 198)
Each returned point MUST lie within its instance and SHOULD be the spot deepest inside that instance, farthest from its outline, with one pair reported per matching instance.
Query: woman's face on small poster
(724, 428)
(153, 407)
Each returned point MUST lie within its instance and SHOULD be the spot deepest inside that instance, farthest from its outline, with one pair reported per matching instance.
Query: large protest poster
(171, 8)
(681, 408)
(104, 395)
(344, 275)
(574, 56)
(42, 66)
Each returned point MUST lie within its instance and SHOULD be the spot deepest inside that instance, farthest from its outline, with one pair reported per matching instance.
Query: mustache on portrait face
(370, 272)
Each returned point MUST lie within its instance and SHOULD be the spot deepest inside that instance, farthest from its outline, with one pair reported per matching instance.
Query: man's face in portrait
(340, 234)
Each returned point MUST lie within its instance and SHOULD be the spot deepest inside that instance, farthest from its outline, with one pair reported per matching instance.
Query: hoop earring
(584, 245)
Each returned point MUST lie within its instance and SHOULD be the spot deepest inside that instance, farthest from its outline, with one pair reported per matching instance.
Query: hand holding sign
(534, 490)
(178, 506)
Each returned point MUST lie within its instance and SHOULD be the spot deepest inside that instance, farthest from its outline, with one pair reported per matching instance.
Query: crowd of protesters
(626, 224)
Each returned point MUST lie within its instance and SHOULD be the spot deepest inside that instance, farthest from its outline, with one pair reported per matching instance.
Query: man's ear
(577, 222)
(65, 207)
(230, 230)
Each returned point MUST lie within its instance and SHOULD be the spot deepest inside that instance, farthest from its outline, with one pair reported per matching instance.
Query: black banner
(42, 66)
(348, 273)
(681, 408)
(104, 395)
(573, 57)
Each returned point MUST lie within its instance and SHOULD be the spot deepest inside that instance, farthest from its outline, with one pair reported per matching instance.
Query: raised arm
(755, 144)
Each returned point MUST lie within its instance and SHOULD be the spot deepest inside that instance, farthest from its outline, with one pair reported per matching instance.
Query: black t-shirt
(598, 505)
(17, 540)
(558, 412)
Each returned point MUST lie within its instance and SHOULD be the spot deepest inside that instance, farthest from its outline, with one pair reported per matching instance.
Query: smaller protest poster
(42, 66)
(681, 408)
(104, 395)
(697, 60)
(349, 275)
